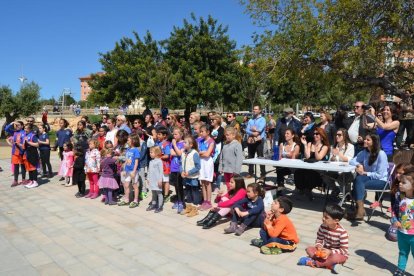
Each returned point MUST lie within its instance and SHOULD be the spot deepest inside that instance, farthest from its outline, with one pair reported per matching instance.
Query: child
(16, 142)
(107, 180)
(331, 247)
(236, 192)
(252, 214)
(155, 177)
(44, 149)
(175, 177)
(405, 221)
(65, 170)
(79, 175)
(164, 144)
(30, 156)
(278, 233)
(63, 136)
(206, 151)
(142, 165)
(92, 168)
(190, 171)
(130, 172)
(101, 137)
(399, 170)
(231, 158)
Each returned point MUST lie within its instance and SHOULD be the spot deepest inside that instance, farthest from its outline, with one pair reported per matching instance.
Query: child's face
(94, 128)
(152, 154)
(91, 145)
(41, 130)
(406, 184)
(328, 221)
(232, 184)
(250, 193)
(65, 147)
(177, 135)
(187, 145)
(275, 207)
(101, 132)
(109, 146)
(129, 142)
(197, 130)
(230, 136)
(160, 136)
(398, 174)
(61, 124)
(203, 133)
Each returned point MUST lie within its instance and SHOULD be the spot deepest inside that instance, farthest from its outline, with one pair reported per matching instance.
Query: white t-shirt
(353, 130)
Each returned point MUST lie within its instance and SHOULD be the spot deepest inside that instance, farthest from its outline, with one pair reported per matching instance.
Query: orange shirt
(282, 228)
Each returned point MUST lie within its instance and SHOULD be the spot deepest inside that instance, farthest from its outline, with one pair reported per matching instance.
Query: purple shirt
(176, 160)
(108, 167)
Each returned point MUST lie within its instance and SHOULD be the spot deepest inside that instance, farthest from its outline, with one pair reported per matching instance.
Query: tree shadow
(376, 260)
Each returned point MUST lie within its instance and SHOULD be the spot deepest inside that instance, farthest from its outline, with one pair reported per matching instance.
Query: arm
(239, 204)
(275, 230)
(257, 209)
(343, 249)
(320, 238)
(307, 149)
(394, 125)
(349, 153)
(208, 152)
(9, 128)
(295, 153)
(232, 201)
(382, 166)
(248, 127)
(197, 165)
(238, 152)
(358, 160)
(320, 154)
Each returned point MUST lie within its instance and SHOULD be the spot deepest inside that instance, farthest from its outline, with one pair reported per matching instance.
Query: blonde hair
(95, 142)
(218, 119)
(235, 132)
(180, 130)
(105, 152)
(196, 116)
(156, 150)
(327, 115)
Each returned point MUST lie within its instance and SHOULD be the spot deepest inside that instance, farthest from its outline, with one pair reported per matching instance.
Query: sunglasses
(30, 121)
(357, 106)
(136, 123)
(316, 133)
(339, 134)
(168, 118)
(229, 116)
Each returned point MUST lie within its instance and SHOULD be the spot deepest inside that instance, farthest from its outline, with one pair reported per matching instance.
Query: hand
(397, 224)
(174, 142)
(132, 174)
(318, 246)
(372, 110)
(303, 139)
(360, 139)
(335, 151)
(220, 193)
(360, 169)
(327, 252)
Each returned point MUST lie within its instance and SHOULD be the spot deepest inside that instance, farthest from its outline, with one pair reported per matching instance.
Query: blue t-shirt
(63, 136)
(43, 137)
(131, 155)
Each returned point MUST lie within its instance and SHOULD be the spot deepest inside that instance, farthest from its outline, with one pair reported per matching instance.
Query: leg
(264, 236)
(251, 148)
(404, 249)
(43, 160)
(166, 186)
(135, 186)
(195, 193)
(179, 188)
(332, 260)
(126, 192)
(47, 161)
(61, 153)
(160, 199)
(16, 172)
(23, 168)
(204, 189)
(208, 192)
(260, 153)
(154, 198)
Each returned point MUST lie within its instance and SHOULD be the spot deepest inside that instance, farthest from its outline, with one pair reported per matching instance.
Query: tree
(329, 50)
(24, 103)
(68, 100)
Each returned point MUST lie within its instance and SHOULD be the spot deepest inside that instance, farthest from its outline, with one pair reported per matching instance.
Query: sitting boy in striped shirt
(331, 247)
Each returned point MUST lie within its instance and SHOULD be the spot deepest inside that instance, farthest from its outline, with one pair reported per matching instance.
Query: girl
(44, 149)
(177, 146)
(250, 210)
(236, 192)
(16, 129)
(65, 170)
(92, 168)
(399, 170)
(155, 174)
(79, 171)
(30, 156)
(63, 135)
(206, 147)
(217, 133)
(107, 181)
(405, 221)
(290, 149)
(190, 171)
(142, 166)
(231, 158)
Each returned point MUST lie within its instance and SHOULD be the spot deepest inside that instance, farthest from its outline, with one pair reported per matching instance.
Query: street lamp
(66, 91)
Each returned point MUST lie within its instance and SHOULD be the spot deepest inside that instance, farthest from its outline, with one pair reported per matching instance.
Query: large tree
(333, 49)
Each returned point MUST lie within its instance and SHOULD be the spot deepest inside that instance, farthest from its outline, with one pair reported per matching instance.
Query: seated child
(278, 233)
(331, 247)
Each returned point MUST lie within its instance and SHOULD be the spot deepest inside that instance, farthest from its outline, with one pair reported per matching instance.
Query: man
(406, 118)
(158, 121)
(104, 119)
(287, 121)
(232, 122)
(121, 123)
(360, 125)
(31, 122)
(256, 131)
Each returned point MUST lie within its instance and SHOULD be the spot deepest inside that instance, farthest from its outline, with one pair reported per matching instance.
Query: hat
(288, 110)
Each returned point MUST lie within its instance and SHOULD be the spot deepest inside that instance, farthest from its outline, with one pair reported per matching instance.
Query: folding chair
(387, 188)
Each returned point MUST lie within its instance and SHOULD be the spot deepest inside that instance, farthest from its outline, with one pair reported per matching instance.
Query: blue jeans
(405, 244)
(266, 239)
(362, 183)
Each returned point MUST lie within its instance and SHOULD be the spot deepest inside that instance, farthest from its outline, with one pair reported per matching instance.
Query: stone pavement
(47, 231)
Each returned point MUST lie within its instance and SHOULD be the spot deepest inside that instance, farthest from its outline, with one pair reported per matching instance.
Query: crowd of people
(125, 163)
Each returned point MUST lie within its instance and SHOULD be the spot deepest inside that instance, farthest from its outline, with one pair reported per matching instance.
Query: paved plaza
(47, 231)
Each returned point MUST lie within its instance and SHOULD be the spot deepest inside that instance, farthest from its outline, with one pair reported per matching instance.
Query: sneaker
(257, 242)
(27, 184)
(133, 204)
(276, 251)
(175, 205)
(265, 250)
(33, 185)
(158, 210)
(61, 179)
(79, 195)
(167, 198)
(123, 203)
(180, 208)
(143, 195)
(399, 272)
(151, 207)
(336, 268)
(68, 184)
(307, 261)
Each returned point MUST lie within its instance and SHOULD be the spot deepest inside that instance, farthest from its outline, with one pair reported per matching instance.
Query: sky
(54, 42)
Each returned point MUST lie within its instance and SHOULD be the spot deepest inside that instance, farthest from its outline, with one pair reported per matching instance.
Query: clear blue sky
(55, 42)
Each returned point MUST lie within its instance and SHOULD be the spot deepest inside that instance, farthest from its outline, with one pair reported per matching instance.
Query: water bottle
(275, 152)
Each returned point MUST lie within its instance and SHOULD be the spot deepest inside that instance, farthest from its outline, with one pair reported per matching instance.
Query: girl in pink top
(237, 191)
(66, 165)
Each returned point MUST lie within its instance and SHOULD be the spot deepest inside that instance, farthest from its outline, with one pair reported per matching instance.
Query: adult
(172, 122)
(194, 118)
(372, 172)
(104, 119)
(44, 119)
(256, 131)
(361, 124)
(82, 135)
(137, 126)
(289, 149)
(122, 123)
(95, 130)
(149, 129)
(158, 121)
(210, 117)
(63, 135)
(85, 119)
(232, 122)
(112, 130)
(406, 118)
(327, 125)
(287, 121)
(308, 127)
(270, 127)
(31, 121)
(318, 150)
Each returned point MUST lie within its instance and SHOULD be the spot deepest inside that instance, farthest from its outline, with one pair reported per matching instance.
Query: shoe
(257, 242)
(143, 195)
(375, 205)
(180, 208)
(336, 268)
(133, 204)
(33, 185)
(68, 185)
(307, 261)
(231, 228)
(175, 205)
(111, 202)
(192, 213)
(205, 206)
(265, 250)
(276, 251)
(212, 222)
(50, 175)
(240, 230)
(88, 195)
(167, 198)
(399, 272)
(28, 184)
(123, 203)
(158, 210)
(206, 218)
(44, 175)
(14, 184)
(103, 199)
(61, 179)
(1, 169)
(94, 195)
(25, 182)
(151, 207)
(79, 195)
(187, 209)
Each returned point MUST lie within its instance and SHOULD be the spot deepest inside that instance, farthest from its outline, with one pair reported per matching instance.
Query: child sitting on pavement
(331, 248)
(278, 233)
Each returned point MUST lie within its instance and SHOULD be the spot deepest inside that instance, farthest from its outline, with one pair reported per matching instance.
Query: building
(85, 88)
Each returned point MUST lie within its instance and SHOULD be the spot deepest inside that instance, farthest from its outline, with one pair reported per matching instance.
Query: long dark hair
(257, 188)
(239, 180)
(346, 138)
(376, 147)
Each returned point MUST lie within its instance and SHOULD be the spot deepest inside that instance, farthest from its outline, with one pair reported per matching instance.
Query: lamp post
(66, 91)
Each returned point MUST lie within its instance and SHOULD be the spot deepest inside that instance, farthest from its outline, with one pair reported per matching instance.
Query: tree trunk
(188, 109)
(9, 118)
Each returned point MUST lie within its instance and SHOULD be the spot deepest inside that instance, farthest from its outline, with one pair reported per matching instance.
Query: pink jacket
(229, 203)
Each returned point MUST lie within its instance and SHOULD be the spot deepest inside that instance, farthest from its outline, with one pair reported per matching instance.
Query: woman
(308, 127)
(387, 129)
(372, 172)
(318, 150)
(194, 118)
(149, 128)
(111, 133)
(95, 130)
(82, 135)
(289, 149)
(137, 127)
(172, 122)
(327, 125)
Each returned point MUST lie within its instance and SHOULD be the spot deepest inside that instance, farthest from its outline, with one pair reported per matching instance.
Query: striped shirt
(335, 240)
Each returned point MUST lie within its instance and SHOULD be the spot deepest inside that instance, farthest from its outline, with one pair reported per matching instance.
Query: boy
(278, 233)
(331, 247)
(165, 145)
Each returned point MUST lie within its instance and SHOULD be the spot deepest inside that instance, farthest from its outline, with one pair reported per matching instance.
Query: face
(119, 122)
(109, 124)
(275, 207)
(230, 136)
(80, 126)
(41, 129)
(232, 184)
(156, 117)
(328, 221)
(386, 112)
(230, 118)
(147, 118)
(203, 133)
(323, 117)
(177, 135)
(17, 126)
(62, 124)
(339, 136)
(104, 119)
(250, 193)
(65, 147)
(30, 121)
(152, 154)
(406, 184)
(368, 142)
(168, 119)
(109, 146)
(358, 108)
(197, 130)
(316, 136)
(101, 132)
(256, 110)
(306, 120)
(187, 144)
(94, 128)
(160, 136)
(288, 135)
(137, 124)
(398, 174)
(213, 122)
(27, 129)
(192, 119)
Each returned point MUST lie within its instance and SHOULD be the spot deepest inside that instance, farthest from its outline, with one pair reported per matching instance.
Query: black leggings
(16, 172)
(45, 158)
(61, 153)
(177, 181)
(33, 175)
(81, 186)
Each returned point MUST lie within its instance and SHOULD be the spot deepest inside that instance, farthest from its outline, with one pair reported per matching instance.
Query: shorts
(126, 177)
(207, 169)
(166, 178)
(17, 159)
